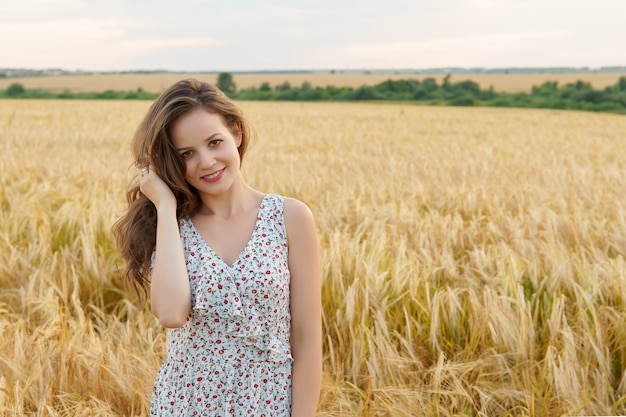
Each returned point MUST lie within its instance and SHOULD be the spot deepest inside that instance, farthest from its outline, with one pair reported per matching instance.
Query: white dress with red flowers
(232, 357)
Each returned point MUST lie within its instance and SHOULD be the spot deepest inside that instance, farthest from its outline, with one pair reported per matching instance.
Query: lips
(214, 176)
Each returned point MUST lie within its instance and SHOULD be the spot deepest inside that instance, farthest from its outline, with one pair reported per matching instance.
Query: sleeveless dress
(232, 357)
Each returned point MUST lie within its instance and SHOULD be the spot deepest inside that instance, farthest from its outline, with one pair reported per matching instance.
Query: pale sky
(245, 35)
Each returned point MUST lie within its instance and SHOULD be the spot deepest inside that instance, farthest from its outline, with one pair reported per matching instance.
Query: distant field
(510, 83)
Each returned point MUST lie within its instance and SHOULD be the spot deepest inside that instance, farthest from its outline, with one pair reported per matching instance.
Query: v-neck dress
(232, 357)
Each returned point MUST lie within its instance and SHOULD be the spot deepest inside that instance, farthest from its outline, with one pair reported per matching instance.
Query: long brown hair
(135, 232)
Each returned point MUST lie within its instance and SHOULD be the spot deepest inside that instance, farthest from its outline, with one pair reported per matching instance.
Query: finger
(144, 170)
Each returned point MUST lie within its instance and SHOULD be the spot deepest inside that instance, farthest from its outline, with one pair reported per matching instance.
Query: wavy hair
(135, 232)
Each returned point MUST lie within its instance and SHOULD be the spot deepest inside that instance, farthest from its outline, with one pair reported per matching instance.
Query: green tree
(15, 90)
(466, 87)
(364, 92)
(547, 89)
(426, 89)
(225, 83)
(285, 86)
(446, 81)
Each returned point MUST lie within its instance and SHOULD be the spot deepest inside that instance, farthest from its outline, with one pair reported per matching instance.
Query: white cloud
(149, 45)
(77, 30)
(491, 41)
(83, 43)
(39, 6)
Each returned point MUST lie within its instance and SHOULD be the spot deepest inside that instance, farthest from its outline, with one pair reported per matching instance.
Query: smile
(213, 176)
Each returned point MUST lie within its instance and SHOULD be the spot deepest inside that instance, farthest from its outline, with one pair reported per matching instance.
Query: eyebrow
(206, 140)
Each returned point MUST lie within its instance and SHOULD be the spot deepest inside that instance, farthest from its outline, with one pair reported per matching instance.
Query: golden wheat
(473, 259)
(156, 83)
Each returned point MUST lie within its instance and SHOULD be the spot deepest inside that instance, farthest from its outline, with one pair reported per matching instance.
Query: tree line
(17, 90)
(572, 96)
(579, 95)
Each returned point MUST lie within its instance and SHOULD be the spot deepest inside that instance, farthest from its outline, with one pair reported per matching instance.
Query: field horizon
(157, 82)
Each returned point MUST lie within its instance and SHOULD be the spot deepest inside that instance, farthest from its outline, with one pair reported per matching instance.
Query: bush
(108, 95)
(16, 90)
(466, 99)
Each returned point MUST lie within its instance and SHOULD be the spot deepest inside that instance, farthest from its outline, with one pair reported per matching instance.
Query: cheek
(188, 167)
(234, 152)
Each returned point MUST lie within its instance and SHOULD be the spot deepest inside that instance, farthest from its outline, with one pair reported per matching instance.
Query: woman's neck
(239, 197)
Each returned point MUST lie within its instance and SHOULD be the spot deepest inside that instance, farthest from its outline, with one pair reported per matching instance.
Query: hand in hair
(154, 188)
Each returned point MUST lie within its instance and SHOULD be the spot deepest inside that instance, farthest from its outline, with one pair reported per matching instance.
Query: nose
(207, 159)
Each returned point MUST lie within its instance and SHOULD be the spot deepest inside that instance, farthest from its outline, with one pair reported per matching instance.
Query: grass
(473, 259)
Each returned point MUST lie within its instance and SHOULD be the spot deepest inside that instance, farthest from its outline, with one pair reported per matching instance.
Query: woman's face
(208, 149)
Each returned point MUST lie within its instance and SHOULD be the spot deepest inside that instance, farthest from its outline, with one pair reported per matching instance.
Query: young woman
(233, 272)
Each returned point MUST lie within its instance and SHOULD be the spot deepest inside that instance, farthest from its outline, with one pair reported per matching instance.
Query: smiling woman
(233, 272)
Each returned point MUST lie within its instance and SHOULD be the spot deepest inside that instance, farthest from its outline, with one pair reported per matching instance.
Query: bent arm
(170, 294)
(306, 308)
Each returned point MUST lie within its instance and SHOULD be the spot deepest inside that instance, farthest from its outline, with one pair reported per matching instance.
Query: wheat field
(473, 258)
(156, 83)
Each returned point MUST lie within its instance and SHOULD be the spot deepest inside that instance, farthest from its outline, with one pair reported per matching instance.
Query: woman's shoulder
(293, 210)
(296, 212)
(299, 225)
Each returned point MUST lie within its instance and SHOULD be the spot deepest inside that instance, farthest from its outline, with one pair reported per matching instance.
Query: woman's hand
(154, 188)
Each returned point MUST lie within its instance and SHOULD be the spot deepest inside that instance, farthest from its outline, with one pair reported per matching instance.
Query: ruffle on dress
(221, 300)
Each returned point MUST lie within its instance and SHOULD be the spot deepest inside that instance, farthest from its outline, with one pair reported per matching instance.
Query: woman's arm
(306, 308)
(170, 294)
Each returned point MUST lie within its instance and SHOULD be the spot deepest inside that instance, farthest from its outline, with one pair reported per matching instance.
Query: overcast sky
(237, 35)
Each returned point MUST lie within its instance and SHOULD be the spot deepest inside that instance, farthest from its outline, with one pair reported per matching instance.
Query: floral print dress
(232, 357)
